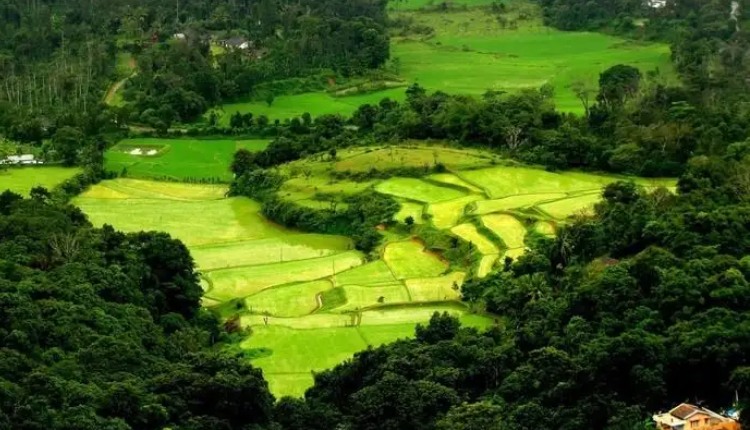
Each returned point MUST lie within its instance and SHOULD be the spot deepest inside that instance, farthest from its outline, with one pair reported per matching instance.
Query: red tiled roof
(683, 411)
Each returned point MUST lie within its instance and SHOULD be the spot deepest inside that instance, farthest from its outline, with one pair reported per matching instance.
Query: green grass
(545, 227)
(435, 289)
(447, 214)
(305, 188)
(469, 233)
(303, 351)
(373, 273)
(409, 259)
(194, 222)
(126, 188)
(410, 209)
(300, 315)
(416, 189)
(472, 52)
(21, 180)
(507, 227)
(178, 159)
(412, 154)
(451, 179)
(332, 299)
(501, 182)
(296, 353)
(358, 297)
(513, 202)
(247, 280)
(316, 104)
(271, 250)
(486, 264)
(125, 64)
(288, 300)
(562, 209)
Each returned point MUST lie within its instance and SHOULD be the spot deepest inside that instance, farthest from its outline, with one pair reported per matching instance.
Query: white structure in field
(656, 3)
(21, 159)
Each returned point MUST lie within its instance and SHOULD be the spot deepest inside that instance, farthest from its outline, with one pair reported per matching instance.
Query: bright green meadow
(471, 52)
(177, 159)
(22, 179)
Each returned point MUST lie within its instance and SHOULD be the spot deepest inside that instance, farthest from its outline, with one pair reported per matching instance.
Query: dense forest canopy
(102, 330)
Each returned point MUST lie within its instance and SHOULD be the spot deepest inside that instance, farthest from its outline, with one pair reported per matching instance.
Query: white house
(656, 4)
(21, 159)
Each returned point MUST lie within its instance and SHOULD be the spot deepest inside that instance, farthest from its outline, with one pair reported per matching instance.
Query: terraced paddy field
(177, 159)
(490, 203)
(310, 300)
(21, 180)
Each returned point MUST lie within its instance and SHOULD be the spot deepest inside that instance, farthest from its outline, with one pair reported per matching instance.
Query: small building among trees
(686, 416)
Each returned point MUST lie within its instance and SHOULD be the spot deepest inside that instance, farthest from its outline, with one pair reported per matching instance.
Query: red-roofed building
(691, 417)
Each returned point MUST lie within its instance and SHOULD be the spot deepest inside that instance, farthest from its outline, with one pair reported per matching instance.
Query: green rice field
(310, 301)
(177, 159)
(22, 179)
(471, 52)
(481, 200)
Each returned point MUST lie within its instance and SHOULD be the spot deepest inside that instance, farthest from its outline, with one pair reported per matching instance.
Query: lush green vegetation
(22, 180)
(102, 329)
(177, 159)
(295, 105)
(593, 298)
(470, 51)
(281, 282)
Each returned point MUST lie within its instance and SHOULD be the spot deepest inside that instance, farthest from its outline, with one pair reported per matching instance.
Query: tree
(583, 92)
(67, 142)
(441, 327)
(617, 84)
(243, 162)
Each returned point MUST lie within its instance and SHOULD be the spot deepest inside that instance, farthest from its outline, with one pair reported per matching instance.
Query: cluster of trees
(57, 57)
(594, 15)
(355, 216)
(177, 80)
(104, 330)
(632, 124)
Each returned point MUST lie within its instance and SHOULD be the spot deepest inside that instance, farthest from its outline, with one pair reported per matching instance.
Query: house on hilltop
(691, 417)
